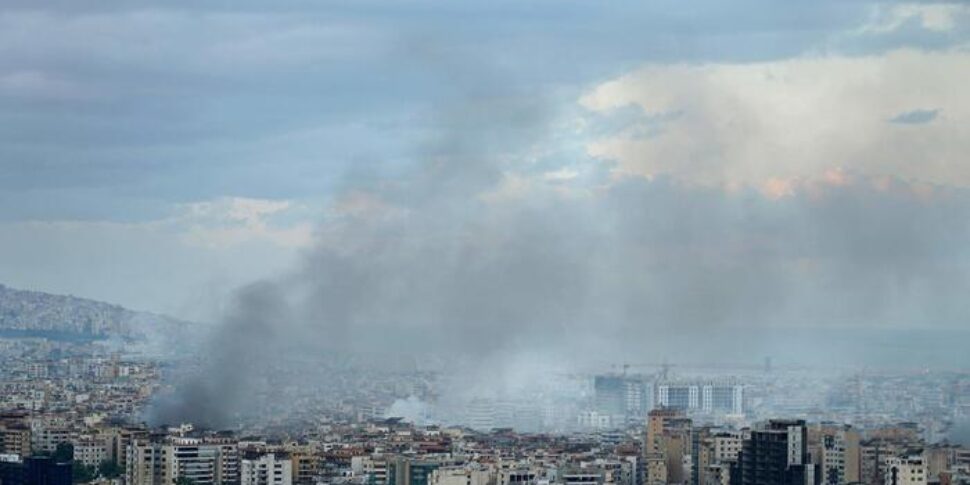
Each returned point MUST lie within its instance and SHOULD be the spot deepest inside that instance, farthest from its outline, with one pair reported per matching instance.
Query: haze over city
(557, 217)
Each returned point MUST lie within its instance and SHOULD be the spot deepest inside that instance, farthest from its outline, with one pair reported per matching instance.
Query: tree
(64, 452)
(83, 473)
(184, 481)
(109, 469)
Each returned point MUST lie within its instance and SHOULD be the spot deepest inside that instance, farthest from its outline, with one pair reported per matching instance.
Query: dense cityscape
(484, 242)
(77, 410)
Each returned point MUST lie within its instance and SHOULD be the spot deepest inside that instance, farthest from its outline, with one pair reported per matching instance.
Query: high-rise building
(715, 451)
(835, 451)
(702, 397)
(678, 396)
(875, 453)
(410, 472)
(15, 436)
(460, 475)
(667, 449)
(266, 469)
(165, 459)
(481, 414)
(143, 460)
(906, 470)
(227, 465)
(189, 458)
(717, 474)
(828, 450)
(45, 436)
(610, 396)
(305, 466)
(703, 453)
(121, 438)
(92, 450)
(853, 455)
(776, 454)
(722, 398)
(15, 439)
(623, 399)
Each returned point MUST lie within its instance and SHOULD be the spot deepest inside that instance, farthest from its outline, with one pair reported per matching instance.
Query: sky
(745, 162)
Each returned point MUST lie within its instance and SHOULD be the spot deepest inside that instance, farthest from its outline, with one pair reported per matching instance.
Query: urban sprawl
(75, 412)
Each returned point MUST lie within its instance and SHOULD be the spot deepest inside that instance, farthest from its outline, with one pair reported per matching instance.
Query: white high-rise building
(832, 458)
(92, 450)
(143, 462)
(190, 458)
(266, 469)
(727, 445)
(704, 397)
(906, 470)
(459, 475)
(163, 461)
(481, 414)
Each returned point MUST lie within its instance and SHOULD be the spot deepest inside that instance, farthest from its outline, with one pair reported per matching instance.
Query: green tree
(109, 469)
(64, 452)
(82, 473)
(184, 481)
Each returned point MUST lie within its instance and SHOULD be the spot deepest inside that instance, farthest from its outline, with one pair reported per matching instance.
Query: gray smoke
(959, 432)
(249, 332)
(455, 259)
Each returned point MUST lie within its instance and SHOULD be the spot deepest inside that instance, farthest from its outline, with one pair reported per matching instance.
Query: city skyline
(484, 242)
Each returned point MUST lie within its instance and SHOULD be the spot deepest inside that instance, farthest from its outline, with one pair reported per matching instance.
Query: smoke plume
(499, 262)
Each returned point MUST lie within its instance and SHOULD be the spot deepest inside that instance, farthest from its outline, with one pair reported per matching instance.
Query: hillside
(34, 313)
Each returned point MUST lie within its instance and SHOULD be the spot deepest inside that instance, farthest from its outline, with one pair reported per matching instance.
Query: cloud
(938, 17)
(238, 220)
(752, 123)
(192, 101)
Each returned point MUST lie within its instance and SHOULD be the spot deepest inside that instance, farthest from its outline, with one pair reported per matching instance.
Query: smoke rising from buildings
(501, 262)
(960, 433)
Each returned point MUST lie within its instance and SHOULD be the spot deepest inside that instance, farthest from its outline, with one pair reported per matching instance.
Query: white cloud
(562, 175)
(236, 220)
(239, 209)
(767, 123)
(936, 17)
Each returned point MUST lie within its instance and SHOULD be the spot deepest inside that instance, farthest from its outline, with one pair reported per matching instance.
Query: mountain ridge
(30, 313)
